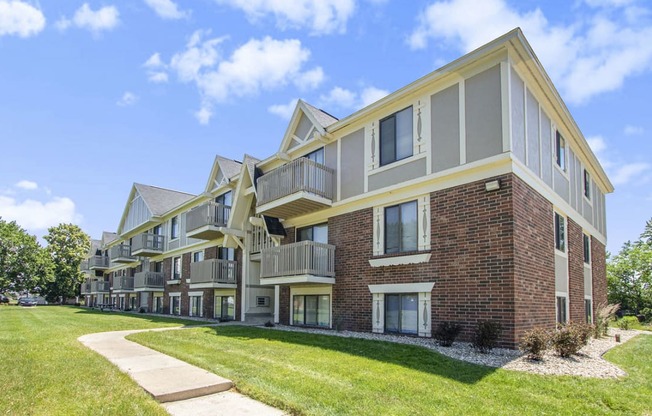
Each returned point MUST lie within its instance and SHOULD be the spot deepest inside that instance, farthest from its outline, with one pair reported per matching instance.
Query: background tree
(68, 245)
(629, 273)
(25, 266)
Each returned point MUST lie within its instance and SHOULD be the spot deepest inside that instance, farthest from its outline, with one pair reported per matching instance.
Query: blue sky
(97, 95)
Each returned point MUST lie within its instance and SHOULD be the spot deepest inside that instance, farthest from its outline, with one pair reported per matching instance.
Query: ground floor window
(175, 305)
(311, 310)
(401, 315)
(132, 303)
(225, 308)
(195, 306)
(588, 310)
(158, 304)
(561, 310)
(122, 303)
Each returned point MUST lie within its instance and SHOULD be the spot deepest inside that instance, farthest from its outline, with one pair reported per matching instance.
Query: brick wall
(576, 272)
(599, 272)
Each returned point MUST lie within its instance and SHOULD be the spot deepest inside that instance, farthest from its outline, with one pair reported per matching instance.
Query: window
(561, 309)
(401, 314)
(560, 151)
(175, 305)
(396, 137)
(587, 185)
(224, 253)
(317, 156)
(588, 310)
(317, 233)
(401, 228)
(197, 256)
(155, 241)
(225, 199)
(560, 232)
(174, 228)
(158, 266)
(195, 306)
(262, 301)
(225, 308)
(311, 310)
(158, 304)
(587, 249)
(176, 268)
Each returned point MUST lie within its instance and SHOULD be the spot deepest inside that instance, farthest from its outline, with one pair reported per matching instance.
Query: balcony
(302, 262)
(207, 221)
(84, 266)
(146, 281)
(121, 254)
(147, 245)
(300, 187)
(123, 284)
(86, 288)
(99, 287)
(213, 273)
(98, 263)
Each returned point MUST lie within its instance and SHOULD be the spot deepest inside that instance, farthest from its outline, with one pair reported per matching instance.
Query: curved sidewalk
(181, 388)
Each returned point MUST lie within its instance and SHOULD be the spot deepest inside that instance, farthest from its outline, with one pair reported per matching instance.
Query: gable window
(560, 232)
(401, 314)
(396, 137)
(176, 268)
(174, 228)
(587, 249)
(587, 184)
(560, 151)
(561, 309)
(401, 228)
(317, 156)
(317, 233)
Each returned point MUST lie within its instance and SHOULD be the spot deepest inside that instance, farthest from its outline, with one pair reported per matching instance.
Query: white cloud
(584, 57)
(625, 173)
(156, 72)
(630, 130)
(320, 17)
(20, 19)
(36, 215)
(167, 9)
(157, 77)
(128, 99)
(370, 95)
(284, 111)
(596, 143)
(27, 185)
(204, 115)
(154, 61)
(310, 79)
(196, 56)
(350, 100)
(105, 18)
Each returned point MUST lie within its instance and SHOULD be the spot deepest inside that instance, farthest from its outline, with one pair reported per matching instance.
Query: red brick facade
(599, 271)
(576, 272)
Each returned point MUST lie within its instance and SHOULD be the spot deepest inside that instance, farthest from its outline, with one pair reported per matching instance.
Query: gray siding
(352, 167)
(138, 214)
(445, 128)
(587, 281)
(573, 183)
(561, 273)
(330, 160)
(303, 127)
(546, 149)
(533, 151)
(561, 185)
(484, 137)
(518, 116)
(398, 174)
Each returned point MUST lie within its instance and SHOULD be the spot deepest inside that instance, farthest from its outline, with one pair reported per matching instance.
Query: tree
(629, 273)
(25, 266)
(68, 245)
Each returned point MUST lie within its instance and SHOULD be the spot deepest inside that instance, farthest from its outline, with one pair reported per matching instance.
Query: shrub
(269, 324)
(534, 343)
(569, 339)
(583, 331)
(647, 313)
(486, 336)
(606, 313)
(626, 322)
(446, 333)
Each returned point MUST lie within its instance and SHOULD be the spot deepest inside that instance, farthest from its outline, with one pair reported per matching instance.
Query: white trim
(561, 215)
(338, 172)
(197, 293)
(402, 288)
(400, 260)
(173, 282)
(213, 285)
(506, 104)
(298, 279)
(277, 303)
(462, 115)
(191, 295)
(424, 317)
(292, 198)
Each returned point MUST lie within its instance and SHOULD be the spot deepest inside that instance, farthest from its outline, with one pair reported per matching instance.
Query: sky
(97, 95)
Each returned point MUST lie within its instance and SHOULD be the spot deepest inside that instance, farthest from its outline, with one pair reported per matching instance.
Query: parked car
(4, 299)
(27, 302)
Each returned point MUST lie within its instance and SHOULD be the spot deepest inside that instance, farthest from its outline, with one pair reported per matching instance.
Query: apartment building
(468, 195)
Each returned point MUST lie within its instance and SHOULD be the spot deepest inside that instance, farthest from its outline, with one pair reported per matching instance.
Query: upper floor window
(401, 227)
(317, 233)
(587, 184)
(158, 266)
(560, 151)
(174, 228)
(225, 253)
(176, 268)
(396, 137)
(587, 249)
(225, 199)
(317, 156)
(560, 232)
(156, 230)
(197, 256)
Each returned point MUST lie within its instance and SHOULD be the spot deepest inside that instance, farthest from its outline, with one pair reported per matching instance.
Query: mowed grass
(324, 375)
(45, 371)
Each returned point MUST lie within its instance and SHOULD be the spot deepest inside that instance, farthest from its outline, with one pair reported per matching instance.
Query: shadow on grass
(408, 356)
(150, 317)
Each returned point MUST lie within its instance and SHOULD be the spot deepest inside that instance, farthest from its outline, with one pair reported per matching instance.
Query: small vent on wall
(262, 301)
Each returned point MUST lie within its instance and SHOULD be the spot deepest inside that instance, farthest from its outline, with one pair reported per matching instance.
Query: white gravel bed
(588, 363)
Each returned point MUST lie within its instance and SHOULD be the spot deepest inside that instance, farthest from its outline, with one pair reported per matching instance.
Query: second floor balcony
(297, 188)
(98, 263)
(147, 281)
(86, 288)
(121, 254)
(123, 284)
(147, 245)
(302, 262)
(207, 221)
(99, 286)
(214, 273)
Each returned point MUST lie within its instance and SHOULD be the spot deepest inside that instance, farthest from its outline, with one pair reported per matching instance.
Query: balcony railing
(214, 271)
(98, 263)
(260, 240)
(302, 258)
(99, 286)
(204, 220)
(121, 253)
(144, 280)
(123, 283)
(147, 244)
(84, 266)
(300, 175)
(86, 288)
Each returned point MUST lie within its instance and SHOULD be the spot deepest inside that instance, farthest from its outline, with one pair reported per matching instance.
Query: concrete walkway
(181, 388)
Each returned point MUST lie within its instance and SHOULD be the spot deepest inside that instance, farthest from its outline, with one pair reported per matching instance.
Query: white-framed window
(176, 268)
(175, 303)
(198, 256)
(311, 310)
(588, 310)
(403, 308)
(402, 227)
(224, 307)
(174, 228)
(587, 248)
(158, 304)
(560, 151)
(317, 233)
(560, 232)
(316, 156)
(401, 313)
(196, 303)
(587, 184)
(561, 308)
(396, 137)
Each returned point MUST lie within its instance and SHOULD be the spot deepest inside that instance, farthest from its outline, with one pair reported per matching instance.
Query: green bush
(534, 343)
(446, 333)
(626, 322)
(569, 339)
(647, 313)
(486, 336)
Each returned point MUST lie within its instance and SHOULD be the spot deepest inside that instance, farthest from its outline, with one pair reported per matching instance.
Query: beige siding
(398, 174)
(561, 273)
(533, 149)
(484, 137)
(518, 116)
(353, 169)
(445, 128)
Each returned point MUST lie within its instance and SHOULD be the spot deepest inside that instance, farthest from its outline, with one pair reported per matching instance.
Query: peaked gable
(306, 122)
(242, 199)
(222, 172)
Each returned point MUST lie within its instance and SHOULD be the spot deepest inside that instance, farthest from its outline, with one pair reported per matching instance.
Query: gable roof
(241, 205)
(229, 168)
(161, 200)
(321, 116)
(107, 237)
(319, 119)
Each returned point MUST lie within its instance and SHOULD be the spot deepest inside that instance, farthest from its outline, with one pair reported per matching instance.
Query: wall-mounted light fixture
(492, 185)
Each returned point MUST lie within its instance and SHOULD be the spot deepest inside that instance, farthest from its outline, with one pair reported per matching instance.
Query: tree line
(52, 271)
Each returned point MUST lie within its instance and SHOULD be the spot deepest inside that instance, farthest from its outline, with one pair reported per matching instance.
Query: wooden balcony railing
(147, 242)
(121, 251)
(300, 175)
(304, 257)
(149, 280)
(98, 262)
(100, 286)
(213, 271)
(209, 213)
(123, 283)
(259, 240)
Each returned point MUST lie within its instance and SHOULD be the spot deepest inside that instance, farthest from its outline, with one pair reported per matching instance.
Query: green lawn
(324, 375)
(46, 371)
